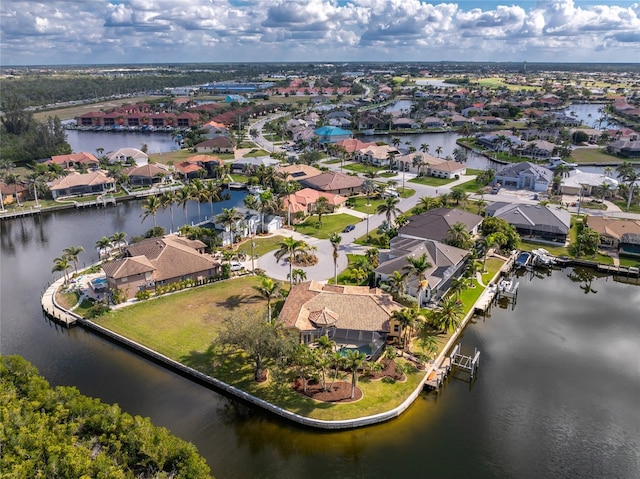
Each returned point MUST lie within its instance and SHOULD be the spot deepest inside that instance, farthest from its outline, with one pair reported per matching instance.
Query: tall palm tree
(167, 200)
(396, 282)
(266, 204)
(183, 196)
(61, 264)
(298, 275)
(418, 267)
(449, 314)
(335, 240)
(354, 360)
(627, 173)
(196, 190)
(117, 240)
(72, 253)
(13, 179)
(458, 236)
(212, 190)
(150, 206)
(424, 148)
(438, 151)
(269, 290)
(321, 207)
(389, 208)
(229, 218)
(102, 245)
(289, 247)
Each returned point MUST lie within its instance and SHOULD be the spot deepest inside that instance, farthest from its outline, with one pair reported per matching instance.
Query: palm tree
(265, 205)
(61, 264)
(229, 218)
(298, 275)
(321, 207)
(418, 267)
(428, 203)
(102, 245)
(627, 173)
(13, 179)
(389, 208)
(438, 151)
(424, 148)
(196, 189)
(166, 201)
(289, 247)
(335, 240)
(151, 206)
(458, 236)
(396, 282)
(449, 313)
(183, 195)
(458, 195)
(269, 290)
(212, 192)
(337, 360)
(354, 360)
(72, 253)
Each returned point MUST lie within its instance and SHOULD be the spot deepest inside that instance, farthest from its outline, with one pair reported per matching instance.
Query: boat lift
(466, 363)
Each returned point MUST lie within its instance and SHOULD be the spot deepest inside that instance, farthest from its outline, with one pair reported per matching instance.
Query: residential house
(160, 261)
(331, 134)
(246, 165)
(612, 230)
(249, 223)
(80, 184)
(75, 161)
(9, 193)
(304, 201)
(432, 122)
(537, 149)
(219, 144)
(149, 174)
(534, 222)
(333, 182)
(447, 263)
(435, 224)
(352, 316)
(626, 148)
(126, 155)
(583, 183)
(448, 169)
(372, 122)
(298, 172)
(403, 123)
(525, 175)
(377, 155)
(352, 145)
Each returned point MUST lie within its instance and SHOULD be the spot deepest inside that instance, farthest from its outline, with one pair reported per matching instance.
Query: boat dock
(508, 288)
(437, 375)
(101, 201)
(53, 310)
(19, 214)
(466, 363)
(486, 298)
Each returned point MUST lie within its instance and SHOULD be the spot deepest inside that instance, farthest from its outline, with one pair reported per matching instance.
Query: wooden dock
(102, 201)
(438, 373)
(486, 298)
(20, 214)
(53, 310)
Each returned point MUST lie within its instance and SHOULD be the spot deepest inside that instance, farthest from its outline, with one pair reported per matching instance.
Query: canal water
(556, 395)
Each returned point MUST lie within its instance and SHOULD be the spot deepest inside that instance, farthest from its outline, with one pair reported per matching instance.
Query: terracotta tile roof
(298, 172)
(612, 227)
(311, 305)
(81, 157)
(302, 199)
(186, 167)
(149, 170)
(449, 166)
(122, 268)
(353, 144)
(80, 179)
(203, 159)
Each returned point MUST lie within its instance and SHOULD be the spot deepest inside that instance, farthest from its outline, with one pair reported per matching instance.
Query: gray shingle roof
(435, 224)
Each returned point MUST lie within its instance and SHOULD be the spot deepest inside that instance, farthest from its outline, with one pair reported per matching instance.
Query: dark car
(348, 228)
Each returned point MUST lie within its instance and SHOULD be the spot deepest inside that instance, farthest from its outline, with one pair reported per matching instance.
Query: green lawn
(262, 245)
(360, 168)
(593, 155)
(622, 204)
(431, 181)
(361, 204)
(256, 153)
(330, 224)
(629, 261)
(183, 327)
(334, 161)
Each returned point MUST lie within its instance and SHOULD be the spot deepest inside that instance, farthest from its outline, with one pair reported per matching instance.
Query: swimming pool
(365, 348)
(99, 284)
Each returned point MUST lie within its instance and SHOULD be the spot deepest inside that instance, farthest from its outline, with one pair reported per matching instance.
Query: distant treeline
(58, 432)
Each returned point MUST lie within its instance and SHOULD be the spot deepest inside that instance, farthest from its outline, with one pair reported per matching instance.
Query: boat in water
(523, 259)
(541, 257)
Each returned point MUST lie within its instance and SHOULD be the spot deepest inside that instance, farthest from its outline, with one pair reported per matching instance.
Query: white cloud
(63, 31)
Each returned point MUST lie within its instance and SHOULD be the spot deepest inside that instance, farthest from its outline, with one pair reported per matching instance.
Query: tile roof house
(436, 223)
(612, 231)
(353, 144)
(74, 160)
(377, 155)
(80, 184)
(447, 263)
(151, 173)
(298, 172)
(219, 144)
(304, 201)
(534, 222)
(159, 261)
(333, 182)
(352, 316)
(448, 169)
(525, 175)
(124, 154)
(197, 165)
(8, 193)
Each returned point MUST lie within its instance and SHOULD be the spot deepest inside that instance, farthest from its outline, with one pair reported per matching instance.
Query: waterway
(90, 141)
(556, 395)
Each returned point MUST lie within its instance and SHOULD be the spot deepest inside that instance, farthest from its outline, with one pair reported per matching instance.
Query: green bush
(143, 294)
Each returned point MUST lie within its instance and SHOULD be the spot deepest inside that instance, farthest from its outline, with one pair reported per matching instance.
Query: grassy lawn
(256, 153)
(183, 327)
(593, 155)
(330, 224)
(262, 245)
(564, 251)
(622, 204)
(360, 168)
(67, 300)
(431, 181)
(361, 204)
(344, 276)
(334, 161)
(629, 261)
(469, 186)
(74, 111)
(388, 174)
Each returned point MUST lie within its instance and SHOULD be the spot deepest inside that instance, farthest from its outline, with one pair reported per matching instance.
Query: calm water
(90, 141)
(556, 395)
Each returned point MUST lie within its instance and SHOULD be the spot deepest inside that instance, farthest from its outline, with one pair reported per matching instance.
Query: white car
(235, 266)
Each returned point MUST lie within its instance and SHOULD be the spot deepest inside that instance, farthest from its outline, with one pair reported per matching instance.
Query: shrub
(143, 294)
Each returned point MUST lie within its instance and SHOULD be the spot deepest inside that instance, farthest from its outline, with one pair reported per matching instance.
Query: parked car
(236, 266)
(348, 228)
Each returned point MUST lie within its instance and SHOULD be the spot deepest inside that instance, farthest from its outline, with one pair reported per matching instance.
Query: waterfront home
(333, 182)
(352, 145)
(127, 155)
(614, 232)
(247, 165)
(534, 222)
(198, 166)
(247, 224)
(525, 175)
(331, 134)
(583, 183)
(298, 172)
(160, 261)
(537, 149)
(435, 224)
(74, 161)
(448, 169)
(447, 263)
(80, 184)
(352, 316)
(9, 193)
(626, 148)
(377, 155)
(149, 174)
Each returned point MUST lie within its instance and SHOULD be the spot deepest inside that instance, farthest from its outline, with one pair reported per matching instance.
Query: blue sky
(150, 31)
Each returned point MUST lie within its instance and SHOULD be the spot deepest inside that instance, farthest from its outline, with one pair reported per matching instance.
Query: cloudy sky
(151, 31)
